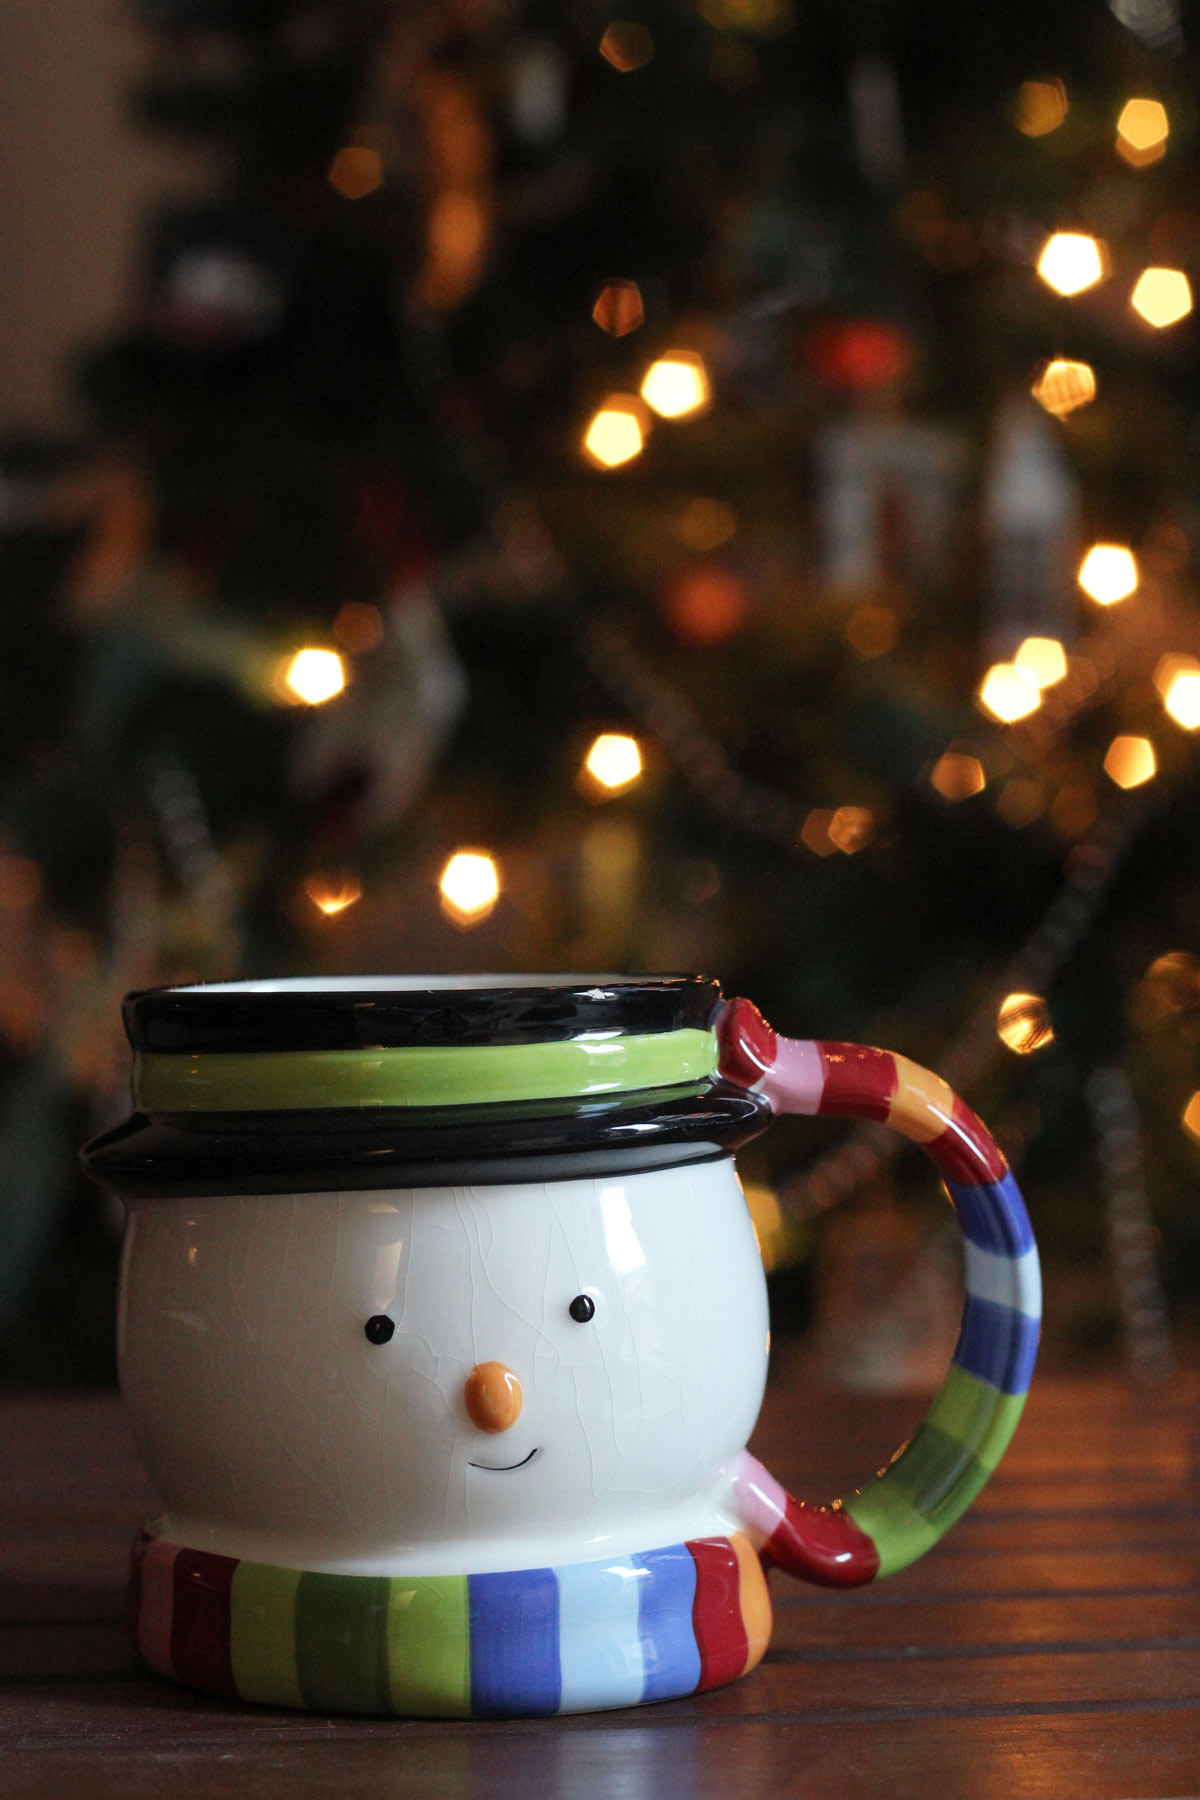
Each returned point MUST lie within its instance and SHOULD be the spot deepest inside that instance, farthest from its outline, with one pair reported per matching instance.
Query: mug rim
(352, 1012)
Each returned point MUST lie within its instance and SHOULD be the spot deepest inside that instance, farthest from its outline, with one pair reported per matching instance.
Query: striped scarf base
(652, 1626)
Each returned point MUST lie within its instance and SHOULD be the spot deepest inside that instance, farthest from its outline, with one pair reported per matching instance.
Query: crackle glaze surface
(276, 1431)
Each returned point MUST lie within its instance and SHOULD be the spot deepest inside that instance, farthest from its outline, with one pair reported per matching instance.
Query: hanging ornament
(1031, 527)
(364, 758)
(706, 603)
(887, 497)
(217, 282)
(860, 355)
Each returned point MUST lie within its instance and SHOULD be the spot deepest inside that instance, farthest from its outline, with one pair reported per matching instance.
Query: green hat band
(292, 1080)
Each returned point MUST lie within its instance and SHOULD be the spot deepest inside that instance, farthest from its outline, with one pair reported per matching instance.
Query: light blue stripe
(997, 1345)
(599, 1644)
(1007, 1280)
(667, 1588)
(992, 1215)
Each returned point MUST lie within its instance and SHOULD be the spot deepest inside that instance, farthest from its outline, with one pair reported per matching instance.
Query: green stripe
(262, 1637)
(937, 1475)
(421, 1076)
(977, 1414)
(342, 1642)
(429, 1646)
(899, 1533)
(933, 1480)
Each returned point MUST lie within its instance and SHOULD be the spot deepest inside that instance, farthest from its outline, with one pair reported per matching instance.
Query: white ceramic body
(276, 1432)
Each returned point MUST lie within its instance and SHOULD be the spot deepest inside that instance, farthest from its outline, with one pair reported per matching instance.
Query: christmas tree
(704, 488)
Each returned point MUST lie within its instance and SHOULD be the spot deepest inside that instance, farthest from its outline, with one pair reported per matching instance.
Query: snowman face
(356, 1376)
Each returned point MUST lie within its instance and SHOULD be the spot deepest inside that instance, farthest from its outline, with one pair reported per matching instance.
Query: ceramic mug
(443, 1328)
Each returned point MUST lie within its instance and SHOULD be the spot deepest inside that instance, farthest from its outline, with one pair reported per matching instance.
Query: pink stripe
(154, 1621)
(796, 1081)
(761, 1499)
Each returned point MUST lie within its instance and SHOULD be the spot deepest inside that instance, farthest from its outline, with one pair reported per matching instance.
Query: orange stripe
(754, 1597)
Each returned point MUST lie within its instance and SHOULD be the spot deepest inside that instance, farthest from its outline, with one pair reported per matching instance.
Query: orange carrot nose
(493, 1396)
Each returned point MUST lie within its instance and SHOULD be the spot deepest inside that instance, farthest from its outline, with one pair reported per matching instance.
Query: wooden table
(1050, 1646)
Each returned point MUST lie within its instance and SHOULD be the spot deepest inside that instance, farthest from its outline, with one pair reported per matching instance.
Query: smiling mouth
(502, 1468)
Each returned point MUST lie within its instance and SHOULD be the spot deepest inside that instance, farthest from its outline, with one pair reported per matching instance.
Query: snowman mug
(443, 1328)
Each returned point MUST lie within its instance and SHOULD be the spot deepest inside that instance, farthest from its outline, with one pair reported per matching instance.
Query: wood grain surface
(1049, 1647)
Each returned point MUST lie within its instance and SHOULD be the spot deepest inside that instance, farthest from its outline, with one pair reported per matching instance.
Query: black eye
(379, 1329)
(582, 1308)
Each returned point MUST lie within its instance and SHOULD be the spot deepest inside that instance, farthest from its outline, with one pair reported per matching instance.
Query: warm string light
(1142, 132)
(845, 828)
(956, 776)
(1064, 386)
(1130, 761)
(1040, 108)
(332, 894)
(616, 433)
(1181, 695)
(1072, 262)
(1009, 693)
(614, 762)
(1162, 297)
(619, 309)
(626, 46)
(675, 385)
(1108, 573)
(1023, 1023)
(470, 887)
(1191, 1117)
(356, 171)
(1043, 659)
(314, 676)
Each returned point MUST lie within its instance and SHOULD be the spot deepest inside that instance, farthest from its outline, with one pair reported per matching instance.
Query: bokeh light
(1108, 573)
(1162, 297)
(1043, 659)
(1191, 1117)
(1023, 1023)
(470, 886)
(1041, 107)
(871, 630)
(332, 894)
(1130, 761)
(359, 626)
(1071, 262)
(675, 385)
(1182, 698)
(614, 761)
(616, 433)
(619, 309)
(957, 775)
(1142, 132)
(851, 829)
(1064, 386)
(314, 676)
(706, 524)
(356, 171)
(1009, 693)
(627, 45)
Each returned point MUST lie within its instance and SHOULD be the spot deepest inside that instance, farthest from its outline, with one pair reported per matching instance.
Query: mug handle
(932, 1479)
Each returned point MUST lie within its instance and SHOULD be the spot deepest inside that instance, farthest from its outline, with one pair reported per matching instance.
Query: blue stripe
(514, 1643)
(598, 1639)
(993, 1215)
(997, 1345)
(666, 1591)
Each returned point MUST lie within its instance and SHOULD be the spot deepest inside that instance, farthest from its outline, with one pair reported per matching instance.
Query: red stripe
(821, 1544)
(747, 1045)
(965, 1151)
(200, 1628)
(717, 1612)
(859, 1081)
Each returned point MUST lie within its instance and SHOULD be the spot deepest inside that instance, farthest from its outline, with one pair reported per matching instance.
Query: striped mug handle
(932, 1480)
